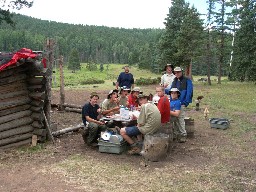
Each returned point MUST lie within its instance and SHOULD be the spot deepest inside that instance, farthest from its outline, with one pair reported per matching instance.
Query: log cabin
(22, 99)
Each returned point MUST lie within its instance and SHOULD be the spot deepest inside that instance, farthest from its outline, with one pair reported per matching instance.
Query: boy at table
(110, 105)
(123, 100)
(149, 121)
(90, 114)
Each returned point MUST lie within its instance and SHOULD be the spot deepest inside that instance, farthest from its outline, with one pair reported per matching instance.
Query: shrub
(92, 81)
(147, 81)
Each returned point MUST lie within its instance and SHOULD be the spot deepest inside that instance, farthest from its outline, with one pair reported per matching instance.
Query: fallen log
(73, 106)
(14, 116)
(68, 109)
(16, 131)
(15, 123)
(15, 139)
(66, 130)
(14, 110)
(17, 144)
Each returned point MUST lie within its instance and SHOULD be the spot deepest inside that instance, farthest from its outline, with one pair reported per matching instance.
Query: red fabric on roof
(21, 54)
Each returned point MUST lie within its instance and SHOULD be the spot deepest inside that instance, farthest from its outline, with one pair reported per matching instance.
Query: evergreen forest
(224, 44)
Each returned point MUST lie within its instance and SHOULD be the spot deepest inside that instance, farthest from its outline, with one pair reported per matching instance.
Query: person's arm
(132, 81)
(118, 80)
(89, 119)
(142, 117)
(175, 113)
(189, 93)
(162, 81)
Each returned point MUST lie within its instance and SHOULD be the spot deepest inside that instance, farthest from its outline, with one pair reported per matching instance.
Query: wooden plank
(17, 144)
(41, 132)
(14, 109)
(13, 102)
(13, 71)
(16, 123)
(37, 81)
(15, 139)
(36, 109)
(14, 78)
(37, 116)
(10, 117)
(13, 94)
(34, 140)
(37, 96)
(36, 88)
(15, 86)
(37, 103)
(49, 133)
(38, 124)
(16, 131)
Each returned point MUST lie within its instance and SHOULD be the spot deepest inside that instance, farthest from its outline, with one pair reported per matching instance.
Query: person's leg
(125, 136)
(181, 124)
(93, 133)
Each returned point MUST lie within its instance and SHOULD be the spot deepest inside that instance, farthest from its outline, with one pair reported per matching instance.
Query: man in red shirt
(163, 105)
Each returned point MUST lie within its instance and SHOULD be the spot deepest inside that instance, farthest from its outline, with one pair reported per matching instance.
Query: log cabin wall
(22, 94)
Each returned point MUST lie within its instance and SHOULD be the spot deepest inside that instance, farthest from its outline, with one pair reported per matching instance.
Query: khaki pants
(179, 123)
(94, 132)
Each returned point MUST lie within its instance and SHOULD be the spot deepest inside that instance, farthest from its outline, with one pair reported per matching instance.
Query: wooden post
(50, 59)
(62, 85)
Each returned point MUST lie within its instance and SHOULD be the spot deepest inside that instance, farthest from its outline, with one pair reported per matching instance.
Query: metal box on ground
(219, 123)
(108, 147)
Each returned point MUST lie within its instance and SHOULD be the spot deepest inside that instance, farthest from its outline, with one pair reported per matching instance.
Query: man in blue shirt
(125, 79)
(90, 114)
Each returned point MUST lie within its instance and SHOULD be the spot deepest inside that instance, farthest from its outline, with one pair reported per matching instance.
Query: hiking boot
(93, 144)
(134, 151)
(182, 139)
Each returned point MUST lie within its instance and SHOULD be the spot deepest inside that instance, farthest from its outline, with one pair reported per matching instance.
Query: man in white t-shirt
(167, 78)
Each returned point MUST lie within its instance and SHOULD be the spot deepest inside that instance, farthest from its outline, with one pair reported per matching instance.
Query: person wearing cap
(125, 79)
(90, 115)
(163, 105)
(167, 78)
(123, 100)
(185, 87)
(133, 97)
(148, 122)
(175, 112)
(110, 105)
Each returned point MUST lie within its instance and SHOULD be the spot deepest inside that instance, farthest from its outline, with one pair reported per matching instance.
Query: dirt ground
(32, 169)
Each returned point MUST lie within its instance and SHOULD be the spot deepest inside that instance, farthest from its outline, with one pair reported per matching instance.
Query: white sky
(112, 13)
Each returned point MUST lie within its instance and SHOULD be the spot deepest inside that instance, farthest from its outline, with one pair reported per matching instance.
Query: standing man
(125, 79)
(90, 114)
(149, 121)
(167, 78)
(163, 105)
(185, 87)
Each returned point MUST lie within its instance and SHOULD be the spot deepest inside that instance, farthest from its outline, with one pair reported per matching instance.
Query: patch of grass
(32, 149)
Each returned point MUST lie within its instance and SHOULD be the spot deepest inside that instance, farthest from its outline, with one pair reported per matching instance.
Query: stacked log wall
(22, 94)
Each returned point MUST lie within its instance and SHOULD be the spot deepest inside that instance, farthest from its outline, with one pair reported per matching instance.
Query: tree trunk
(14, 78)
(62, 85)
(15, 139)
(16, 131)
(14, 110)
(14, 116)
(13, 102)
(17, 144)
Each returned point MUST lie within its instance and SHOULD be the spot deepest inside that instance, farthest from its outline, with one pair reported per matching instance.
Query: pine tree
(74, 63)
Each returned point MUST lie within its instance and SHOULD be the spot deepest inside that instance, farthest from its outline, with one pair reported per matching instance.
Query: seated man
(110, 105)
(90, 114)
(123, 100)
(149, 121)
(175, 106)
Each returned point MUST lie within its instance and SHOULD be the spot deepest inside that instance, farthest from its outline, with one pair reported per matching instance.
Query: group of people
(152, 115)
